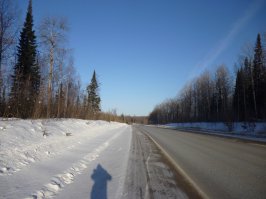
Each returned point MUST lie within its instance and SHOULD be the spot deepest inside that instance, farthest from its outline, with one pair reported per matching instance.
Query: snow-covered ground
(249, 131)
(66, 158)
(71, 158)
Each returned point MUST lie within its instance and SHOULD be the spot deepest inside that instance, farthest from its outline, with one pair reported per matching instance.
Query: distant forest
(37, 72)
(221, 97)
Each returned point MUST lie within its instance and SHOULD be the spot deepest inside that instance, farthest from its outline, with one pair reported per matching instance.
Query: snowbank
(23, 142)
(252, 129)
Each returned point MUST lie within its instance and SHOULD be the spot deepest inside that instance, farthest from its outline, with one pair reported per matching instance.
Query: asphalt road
(220, 167)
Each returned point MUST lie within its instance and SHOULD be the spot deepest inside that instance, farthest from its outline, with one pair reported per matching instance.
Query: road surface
(219, 167)
(149, 175)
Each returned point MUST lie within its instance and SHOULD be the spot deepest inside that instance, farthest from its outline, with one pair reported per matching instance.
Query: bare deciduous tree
(53, 34)
(8, 31)
(8, 17)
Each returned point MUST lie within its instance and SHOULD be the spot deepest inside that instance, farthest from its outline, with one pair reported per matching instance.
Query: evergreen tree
(93, 100)
(258, 75)
(248, 96)
(243, 101)
(237, 96)
(26, 77)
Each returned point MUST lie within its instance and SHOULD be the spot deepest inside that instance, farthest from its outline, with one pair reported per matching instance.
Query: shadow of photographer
(100, 177)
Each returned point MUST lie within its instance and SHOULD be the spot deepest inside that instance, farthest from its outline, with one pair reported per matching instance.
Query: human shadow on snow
(100, 177)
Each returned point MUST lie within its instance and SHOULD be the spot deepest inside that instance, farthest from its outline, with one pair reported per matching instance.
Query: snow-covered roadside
(254, 131)
(105, 176)
(95, 148)
(23, 142)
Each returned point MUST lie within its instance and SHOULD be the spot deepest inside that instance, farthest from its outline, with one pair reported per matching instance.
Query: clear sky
(144, 51)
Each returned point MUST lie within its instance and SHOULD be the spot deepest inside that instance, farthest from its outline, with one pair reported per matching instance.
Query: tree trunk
(50, 82)
(253, 93)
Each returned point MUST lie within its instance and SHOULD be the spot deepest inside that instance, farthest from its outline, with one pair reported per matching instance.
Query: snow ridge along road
(93, 151)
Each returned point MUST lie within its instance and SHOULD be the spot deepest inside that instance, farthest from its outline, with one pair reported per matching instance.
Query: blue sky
(144, 51)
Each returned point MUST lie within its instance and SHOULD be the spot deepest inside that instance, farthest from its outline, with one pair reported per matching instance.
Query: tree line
(220, 97)
(37, 72)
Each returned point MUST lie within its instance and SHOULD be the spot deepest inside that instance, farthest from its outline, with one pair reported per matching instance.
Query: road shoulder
(150, 174)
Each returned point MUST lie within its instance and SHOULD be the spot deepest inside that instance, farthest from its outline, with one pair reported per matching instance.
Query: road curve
(220, 167)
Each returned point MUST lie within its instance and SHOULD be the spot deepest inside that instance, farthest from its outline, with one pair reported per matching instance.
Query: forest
(38, 78)
(221, 96)
(37, 75)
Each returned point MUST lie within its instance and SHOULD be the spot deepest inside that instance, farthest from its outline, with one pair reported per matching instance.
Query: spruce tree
(249, 96)
(237, 96)
(93, 100)
(258, 75)
(26, 77)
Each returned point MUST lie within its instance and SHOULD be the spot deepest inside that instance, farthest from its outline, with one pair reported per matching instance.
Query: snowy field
(66, 158)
